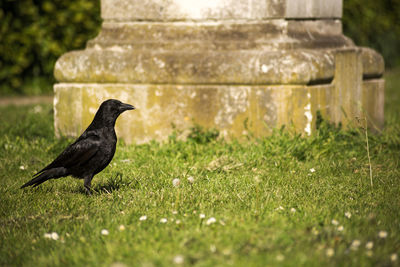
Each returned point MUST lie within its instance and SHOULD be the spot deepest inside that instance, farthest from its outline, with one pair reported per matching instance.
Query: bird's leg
(87, 183)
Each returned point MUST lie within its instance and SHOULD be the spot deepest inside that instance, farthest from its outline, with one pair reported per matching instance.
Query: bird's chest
(107, 150)
(108, 146)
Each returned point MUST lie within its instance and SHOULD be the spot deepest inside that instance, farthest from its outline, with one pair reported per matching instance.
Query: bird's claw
(88, 191)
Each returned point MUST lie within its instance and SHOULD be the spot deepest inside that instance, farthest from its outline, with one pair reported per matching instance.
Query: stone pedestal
(235, 65)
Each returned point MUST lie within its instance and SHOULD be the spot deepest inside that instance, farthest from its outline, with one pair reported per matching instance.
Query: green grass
(270, 208)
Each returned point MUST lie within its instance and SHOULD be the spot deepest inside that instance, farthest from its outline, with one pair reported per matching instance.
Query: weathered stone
(191, 67)
(173, 10)
(373, 102)
(227, 108)
(234, 110)
(373, 64)
(221, 35)
(275, 52)
(239, 66)
(111, 65)
(313, 9)
(348, 83)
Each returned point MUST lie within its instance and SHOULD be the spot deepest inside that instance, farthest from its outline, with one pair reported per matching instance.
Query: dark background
(33, 34)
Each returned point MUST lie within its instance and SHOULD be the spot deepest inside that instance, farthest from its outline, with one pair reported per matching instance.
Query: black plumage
(91, 152)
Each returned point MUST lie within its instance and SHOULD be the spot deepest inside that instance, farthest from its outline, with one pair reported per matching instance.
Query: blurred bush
(34, 33)
(375, 24)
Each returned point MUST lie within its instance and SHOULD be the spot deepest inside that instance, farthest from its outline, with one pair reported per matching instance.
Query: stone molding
(202, 10)
(264, 52)
(301, 66)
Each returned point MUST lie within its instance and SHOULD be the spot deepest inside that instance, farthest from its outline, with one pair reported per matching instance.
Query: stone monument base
(239, 76)
(234, 110)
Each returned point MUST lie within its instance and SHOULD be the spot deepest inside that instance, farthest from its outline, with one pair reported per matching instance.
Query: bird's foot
(87, 184)
(88, 191)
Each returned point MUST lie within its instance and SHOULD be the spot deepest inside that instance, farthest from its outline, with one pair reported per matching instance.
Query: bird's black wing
(77, 153)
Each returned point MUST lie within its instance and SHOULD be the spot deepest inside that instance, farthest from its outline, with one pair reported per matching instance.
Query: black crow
(91, 152)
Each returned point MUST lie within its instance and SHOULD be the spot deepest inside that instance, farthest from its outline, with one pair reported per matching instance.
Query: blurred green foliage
(375, 24)
(34, 33)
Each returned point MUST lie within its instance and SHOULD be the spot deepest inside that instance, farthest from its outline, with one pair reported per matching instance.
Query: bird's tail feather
(46, 175)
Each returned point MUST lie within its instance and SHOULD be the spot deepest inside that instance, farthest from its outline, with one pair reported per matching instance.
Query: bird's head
(115, 107)
(109, 111)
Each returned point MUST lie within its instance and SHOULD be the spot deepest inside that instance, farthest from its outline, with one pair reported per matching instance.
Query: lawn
(283, 200)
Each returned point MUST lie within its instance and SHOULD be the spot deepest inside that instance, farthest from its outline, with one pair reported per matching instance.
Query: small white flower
(347, 214)
(143, 218)
(47, 235)
(178, 259)
(312, 170)
(163, 220)
(329, 252)
(393, 257)
(178, 222)
(355, 244)
(22, 167)
(382, 234)
(202, 215)
(280, 257)
(52, 235)
(174, 212)
(340, 228)
(190, 179)
(334, 222)
(104, 232)
(369, 245)
(280, 208)
(37, 109)
(176, 182)
(121, 227)
(211, 221)
(292, 210)
(213, 248)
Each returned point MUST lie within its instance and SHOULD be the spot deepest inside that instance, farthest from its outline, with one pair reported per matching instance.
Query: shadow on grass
(115, 183)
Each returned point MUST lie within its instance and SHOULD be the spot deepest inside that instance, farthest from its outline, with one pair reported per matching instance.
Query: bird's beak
(124, 107)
